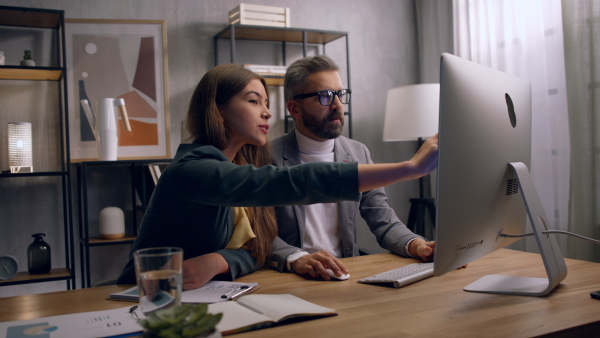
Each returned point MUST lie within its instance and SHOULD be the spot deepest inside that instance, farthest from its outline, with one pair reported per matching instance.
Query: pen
(231, 294)
(242, 290)
(132, 311)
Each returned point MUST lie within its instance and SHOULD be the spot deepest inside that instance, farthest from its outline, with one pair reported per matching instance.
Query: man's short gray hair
(297, 73)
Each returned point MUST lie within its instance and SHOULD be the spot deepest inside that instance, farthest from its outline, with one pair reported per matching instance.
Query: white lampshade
(412, 112)
(20, 147)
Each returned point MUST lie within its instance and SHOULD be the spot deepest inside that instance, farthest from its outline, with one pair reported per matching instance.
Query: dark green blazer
(191, 206)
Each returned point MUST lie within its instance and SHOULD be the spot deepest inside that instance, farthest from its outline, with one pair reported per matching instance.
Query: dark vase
(38, 255)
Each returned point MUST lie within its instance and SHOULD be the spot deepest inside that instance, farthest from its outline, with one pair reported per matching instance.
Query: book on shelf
(273, 81)
(154, 172)
(266, 69)
(257, 311)
(151, 173)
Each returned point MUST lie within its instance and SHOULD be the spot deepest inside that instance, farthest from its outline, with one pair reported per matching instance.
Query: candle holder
(20, 158)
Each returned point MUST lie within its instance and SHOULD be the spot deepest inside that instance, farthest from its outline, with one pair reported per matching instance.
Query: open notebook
(258, 311)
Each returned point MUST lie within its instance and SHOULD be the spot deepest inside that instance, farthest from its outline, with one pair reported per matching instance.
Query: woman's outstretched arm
(372, 176)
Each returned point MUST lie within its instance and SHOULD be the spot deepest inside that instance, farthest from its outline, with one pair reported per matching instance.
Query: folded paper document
(78, 325)
(212, 292)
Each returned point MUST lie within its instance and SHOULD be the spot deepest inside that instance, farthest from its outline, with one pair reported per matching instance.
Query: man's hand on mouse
(316, 264)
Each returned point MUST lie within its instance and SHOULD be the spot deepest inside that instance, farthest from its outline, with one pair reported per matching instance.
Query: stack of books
(274, 75)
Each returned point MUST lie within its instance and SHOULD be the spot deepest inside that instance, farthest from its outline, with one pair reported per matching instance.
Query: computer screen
(483, 184)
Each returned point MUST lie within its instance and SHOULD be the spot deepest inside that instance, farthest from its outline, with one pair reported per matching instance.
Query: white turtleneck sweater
(321, 231)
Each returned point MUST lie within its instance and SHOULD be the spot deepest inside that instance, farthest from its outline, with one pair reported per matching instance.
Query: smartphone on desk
(595, 294)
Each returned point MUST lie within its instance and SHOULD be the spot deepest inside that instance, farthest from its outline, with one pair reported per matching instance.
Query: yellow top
(242, 232)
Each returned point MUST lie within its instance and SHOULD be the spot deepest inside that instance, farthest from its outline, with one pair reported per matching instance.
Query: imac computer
(484, 190)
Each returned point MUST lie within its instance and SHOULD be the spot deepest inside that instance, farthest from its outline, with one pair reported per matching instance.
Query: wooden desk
(431, 307)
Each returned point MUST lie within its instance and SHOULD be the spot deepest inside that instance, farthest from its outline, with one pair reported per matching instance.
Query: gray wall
(383, 55)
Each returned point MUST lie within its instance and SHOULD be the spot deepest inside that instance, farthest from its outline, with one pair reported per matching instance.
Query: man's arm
(390, 232)
(280, 252)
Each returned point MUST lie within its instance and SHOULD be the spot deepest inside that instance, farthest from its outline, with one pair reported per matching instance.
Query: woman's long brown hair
(205, 125)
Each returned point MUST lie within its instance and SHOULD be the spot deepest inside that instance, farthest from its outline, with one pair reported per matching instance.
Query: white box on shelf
(266, 69)
(259, 15)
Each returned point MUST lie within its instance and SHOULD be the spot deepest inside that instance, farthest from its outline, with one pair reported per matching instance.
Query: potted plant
(186, 320)
(27, 61)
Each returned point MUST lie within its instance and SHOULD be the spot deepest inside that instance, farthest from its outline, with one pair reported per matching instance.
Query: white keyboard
(402, 276)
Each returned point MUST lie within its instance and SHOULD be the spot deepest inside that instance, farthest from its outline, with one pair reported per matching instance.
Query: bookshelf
(141, 187)
(44, 90)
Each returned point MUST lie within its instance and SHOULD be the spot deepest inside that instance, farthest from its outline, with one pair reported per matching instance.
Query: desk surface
(430, 307)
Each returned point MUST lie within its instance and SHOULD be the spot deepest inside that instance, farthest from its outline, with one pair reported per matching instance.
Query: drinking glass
(158, 272)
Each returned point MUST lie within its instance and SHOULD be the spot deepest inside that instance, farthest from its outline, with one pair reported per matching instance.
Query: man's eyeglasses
(326, 97)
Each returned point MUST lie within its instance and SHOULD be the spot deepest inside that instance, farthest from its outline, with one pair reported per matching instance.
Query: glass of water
(158, 272)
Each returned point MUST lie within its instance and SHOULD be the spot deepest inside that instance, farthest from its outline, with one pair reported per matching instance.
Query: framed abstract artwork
(121, 59)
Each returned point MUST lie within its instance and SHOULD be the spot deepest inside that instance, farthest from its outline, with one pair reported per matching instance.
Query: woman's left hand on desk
(200, 270)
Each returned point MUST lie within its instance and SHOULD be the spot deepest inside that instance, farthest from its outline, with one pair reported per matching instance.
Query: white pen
(233, 294)
(232, 290)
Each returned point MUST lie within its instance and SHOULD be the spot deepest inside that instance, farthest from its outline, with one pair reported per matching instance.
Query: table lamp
(20, 147)
(412, 113)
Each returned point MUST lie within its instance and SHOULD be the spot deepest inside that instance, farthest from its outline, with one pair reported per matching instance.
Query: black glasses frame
(326, 95)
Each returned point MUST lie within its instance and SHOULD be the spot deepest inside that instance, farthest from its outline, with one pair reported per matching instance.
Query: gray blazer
(390, 232)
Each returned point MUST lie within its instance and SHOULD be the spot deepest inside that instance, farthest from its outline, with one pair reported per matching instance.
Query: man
(313, 237)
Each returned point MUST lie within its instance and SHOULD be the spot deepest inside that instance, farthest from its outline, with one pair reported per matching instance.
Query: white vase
(112, 223)
(108, 134)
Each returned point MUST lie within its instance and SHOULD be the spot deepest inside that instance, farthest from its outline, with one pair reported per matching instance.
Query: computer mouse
(344, 276)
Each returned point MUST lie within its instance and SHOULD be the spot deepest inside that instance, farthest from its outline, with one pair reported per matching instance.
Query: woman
(192, 206)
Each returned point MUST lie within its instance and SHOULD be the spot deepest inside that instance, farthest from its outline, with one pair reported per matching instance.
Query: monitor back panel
(477, 194)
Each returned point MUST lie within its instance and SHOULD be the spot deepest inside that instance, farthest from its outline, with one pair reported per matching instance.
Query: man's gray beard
(324, 129)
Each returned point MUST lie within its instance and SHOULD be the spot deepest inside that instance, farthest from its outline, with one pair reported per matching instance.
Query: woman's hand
(200, 270)
(425, 160)
(377, 175)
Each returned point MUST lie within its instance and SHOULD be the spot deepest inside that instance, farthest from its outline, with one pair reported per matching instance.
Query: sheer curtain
(434, 26)
(525, 39)
(582, 55)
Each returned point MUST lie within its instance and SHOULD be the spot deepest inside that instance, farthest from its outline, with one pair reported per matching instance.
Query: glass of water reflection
(158, 272)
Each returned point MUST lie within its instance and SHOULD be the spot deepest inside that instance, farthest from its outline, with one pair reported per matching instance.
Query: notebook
(259, 311)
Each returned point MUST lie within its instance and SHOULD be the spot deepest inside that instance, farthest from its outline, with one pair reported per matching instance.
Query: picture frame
(119, 59)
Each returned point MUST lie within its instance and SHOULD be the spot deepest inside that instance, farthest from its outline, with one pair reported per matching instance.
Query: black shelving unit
(140, 192)
(283, 35)
(33, 21)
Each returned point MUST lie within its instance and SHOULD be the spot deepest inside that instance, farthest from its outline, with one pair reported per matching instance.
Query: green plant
(187, 320)
(27, 55)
